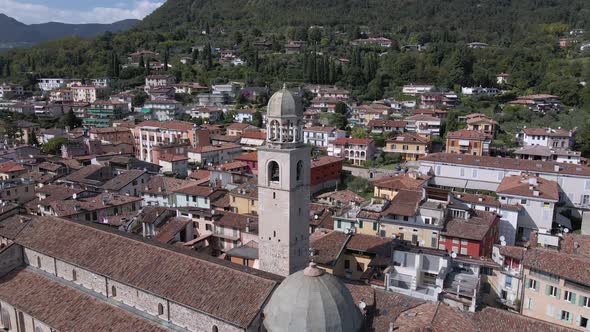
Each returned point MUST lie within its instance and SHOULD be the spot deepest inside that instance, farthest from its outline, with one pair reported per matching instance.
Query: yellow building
(388, 187)
(410, 146)
(244, 198)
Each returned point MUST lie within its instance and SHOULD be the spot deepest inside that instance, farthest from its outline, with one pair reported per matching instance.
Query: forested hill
(468, 20)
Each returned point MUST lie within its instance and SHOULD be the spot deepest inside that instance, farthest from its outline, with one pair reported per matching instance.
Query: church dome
(311, 300)
(284, 104)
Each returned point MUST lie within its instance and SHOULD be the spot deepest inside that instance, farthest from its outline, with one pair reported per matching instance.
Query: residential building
(103, 82)
(506, 283)
(11, 170)
(502, 78)
(424, 125)
(325, 173)
(9, 90)
(386, 126)
(470, 232)
(465, 141)
(162, 93)
(340, 198)
(16, 190)
(88, 93)
(102, 113)
(417, 89)
(152, 81)
(161, 110)
(151, 134)
(48, 84)
(159, 190)
(389, 186)
(252, 139)
(323, 105)
(486, 173)
(208, 114)
(244, 115)
(250, 159)
(482, 123)
(244, 198)
(174, 164)
(543, 153)
(232, 230)
(130, 183)
(435, 112)
(539, 103)
(373, 41)
(556, 285)
(548, 137)
(438, 100)
(479, 91)
(194, 195)
(61, 96)
(409, 146)
(321, 136)
(537, 196)
(22, 108)
(214, 154)
(354, 150)
(364, 114)
(94, 208)
(112, 135)
(237, 129)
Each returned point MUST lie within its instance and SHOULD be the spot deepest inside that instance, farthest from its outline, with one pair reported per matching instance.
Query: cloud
(35, 13)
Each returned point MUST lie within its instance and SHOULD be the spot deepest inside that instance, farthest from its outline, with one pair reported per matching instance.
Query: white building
(423, 124)
(478, 91)
(88, 93)
(153, 81)
(321, 136)
(162, 110)
(48, 84)
(419, 89)
(103, 82)
(551, 138)
(11, 89)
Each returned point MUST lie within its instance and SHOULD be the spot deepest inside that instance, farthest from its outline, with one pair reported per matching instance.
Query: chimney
(480, 199)
(556, 168)
(391, 327)
(536, 193)
(159, 189)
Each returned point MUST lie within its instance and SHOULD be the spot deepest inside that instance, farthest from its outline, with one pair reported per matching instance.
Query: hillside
(13, 31)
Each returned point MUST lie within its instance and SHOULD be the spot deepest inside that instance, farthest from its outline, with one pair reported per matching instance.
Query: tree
(315, 35)
(229, 117)
(338, 120)
(358, 132)
(53, 145)
(341, 108)
(166, 56)
(69, 120)
(238, 38)
(32, 138)
(139, 99)
(141, 62)
(257, 119)
(359, 184)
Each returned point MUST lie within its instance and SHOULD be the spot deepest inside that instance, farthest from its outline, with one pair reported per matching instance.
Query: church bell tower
(284, 165)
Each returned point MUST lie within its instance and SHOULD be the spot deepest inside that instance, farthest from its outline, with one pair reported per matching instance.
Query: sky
(77, 11)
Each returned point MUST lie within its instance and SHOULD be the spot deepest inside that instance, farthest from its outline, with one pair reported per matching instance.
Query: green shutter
(573, 299)
(537, 285)
(374, 226)
(558, 295)
(581, 300)
(547, 291)
(360, 224)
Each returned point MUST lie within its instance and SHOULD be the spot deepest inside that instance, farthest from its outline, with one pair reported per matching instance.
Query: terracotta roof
(173, 226)
(405, 203)
(491, 319)
(250, 156)
(568, 266)
(422, 117)
(110, 130)
(478, 117)
(387, 123)
(547, 132)
(390, 306)
(325, 160)
(238, 221)
(172, 157)
(82, 174)
(254, 134)
(211, 148)
(164, 185)
(200, 174)
(409, 138)
(11, 166)
(343, 196)
(239, 292)
(50, 166)
(321, 216)
(468, 135)
(327, 246)
(535, 150)
(429, 111)
(150, 214)
(345, 140)
(474, 228)
(485, 200)
(123, 179)
(225, 138)
(195, 190)
(65, 308)
(248, 189)
(320, 128)
(512, 251)
(239, 126)
(173, 125)
(527, 185)
(402, 181)
(509, 163)
(370, 244)
(86, 204)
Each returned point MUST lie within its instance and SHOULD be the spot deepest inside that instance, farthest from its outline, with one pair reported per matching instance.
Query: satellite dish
(362, 305)
(566, 230)
(502, 238)
(453, 254)
(74, 196)
(503, 243)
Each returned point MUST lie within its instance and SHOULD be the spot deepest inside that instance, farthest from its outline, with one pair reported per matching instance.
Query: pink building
(355, 150)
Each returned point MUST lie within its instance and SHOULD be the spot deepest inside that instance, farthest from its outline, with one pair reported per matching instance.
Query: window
(74, 275)
(214, 329)
(583, 322)
(463, 251)
(552, 291)
(273, 171)
(428, 221)
(21, 321)
(569, 297)
(532, 284)
(300, 170)
(160, 309)
(360, 224)
(38, 262)
(529, 304)
(474, 173)
(508, 282)
(274, 195)
(339, 223)
(113, 291)
(5, 319)
(584, 301)
(374, 226)
(523, 201)
(462, 172)
(346, 264)
(566, 315)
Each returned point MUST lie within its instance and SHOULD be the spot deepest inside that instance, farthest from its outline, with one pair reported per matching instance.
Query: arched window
(273, 171)
(113, 291)
(300, 170)
(214, 329)
(160, 309)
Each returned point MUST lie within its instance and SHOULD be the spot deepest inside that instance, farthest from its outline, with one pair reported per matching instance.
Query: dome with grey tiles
(284, 104)
(311, 300)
